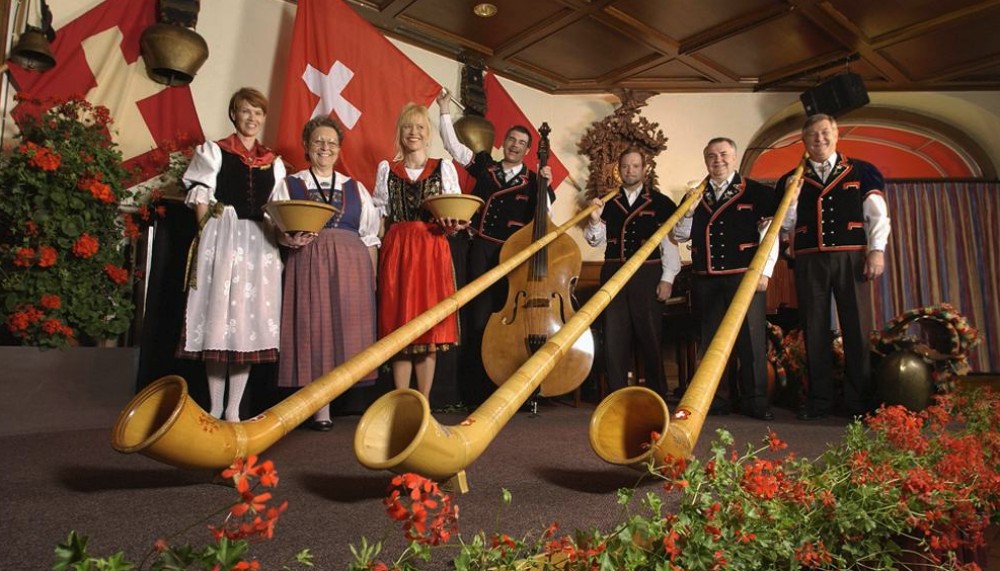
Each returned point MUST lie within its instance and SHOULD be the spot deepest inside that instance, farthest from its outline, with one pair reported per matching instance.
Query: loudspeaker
(837, 95)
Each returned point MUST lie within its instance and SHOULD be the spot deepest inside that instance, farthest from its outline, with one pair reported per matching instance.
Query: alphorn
(398, 433)
(163, 422)
(622, 424)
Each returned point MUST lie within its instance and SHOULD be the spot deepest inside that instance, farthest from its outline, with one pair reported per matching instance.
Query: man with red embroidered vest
(509, 190)
(840, 225)
(725, 229)
(633, 317)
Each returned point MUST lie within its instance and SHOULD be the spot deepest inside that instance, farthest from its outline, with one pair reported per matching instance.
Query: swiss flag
(503, 113)
(97, 58)
(340, 65)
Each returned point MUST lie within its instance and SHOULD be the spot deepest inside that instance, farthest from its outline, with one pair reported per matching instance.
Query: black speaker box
(835, 96)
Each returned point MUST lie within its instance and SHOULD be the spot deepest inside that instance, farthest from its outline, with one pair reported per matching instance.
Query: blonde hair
(411, 113)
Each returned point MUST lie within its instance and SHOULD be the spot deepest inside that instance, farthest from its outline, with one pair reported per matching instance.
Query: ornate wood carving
(604, 140)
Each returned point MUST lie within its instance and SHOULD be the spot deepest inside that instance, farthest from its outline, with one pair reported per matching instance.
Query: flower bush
(61, 245)
(907, 488)
(250, 518)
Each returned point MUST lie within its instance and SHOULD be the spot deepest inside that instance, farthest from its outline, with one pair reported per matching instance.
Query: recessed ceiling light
(484, 10)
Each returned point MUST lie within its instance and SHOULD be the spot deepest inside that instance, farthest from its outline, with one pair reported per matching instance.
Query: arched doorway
(905, 145)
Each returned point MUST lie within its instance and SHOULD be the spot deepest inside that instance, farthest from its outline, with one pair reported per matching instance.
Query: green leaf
(116, 562)
(70, 227)
(72, 552)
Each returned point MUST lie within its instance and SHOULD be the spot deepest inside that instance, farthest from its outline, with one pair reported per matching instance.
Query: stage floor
(62, 481)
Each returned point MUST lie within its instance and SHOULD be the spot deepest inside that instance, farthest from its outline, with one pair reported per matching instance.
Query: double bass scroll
(539, 301)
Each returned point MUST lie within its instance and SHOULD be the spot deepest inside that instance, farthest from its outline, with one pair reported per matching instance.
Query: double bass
(539, 301)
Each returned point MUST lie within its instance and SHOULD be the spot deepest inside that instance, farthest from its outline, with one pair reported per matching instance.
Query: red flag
(504, 114)
(340, 65)
(97, 57)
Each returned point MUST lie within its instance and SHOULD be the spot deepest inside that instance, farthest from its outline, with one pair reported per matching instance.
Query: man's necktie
(824, 170)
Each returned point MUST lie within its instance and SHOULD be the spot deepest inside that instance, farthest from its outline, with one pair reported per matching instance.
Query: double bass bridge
(535, 341)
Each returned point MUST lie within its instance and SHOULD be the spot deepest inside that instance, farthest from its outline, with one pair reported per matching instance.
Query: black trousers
(634, 320)
(714, 295)
(819, 278)
(483, 256)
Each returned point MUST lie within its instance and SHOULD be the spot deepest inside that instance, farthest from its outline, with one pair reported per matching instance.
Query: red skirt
(414, 274)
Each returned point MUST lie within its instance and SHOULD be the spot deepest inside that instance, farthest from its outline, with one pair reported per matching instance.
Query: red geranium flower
(47, 256)
(24, 257)
(85, 246)
(118, 275)
(50, 301)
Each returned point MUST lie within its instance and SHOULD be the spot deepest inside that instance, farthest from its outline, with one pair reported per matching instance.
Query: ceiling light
(484, 10)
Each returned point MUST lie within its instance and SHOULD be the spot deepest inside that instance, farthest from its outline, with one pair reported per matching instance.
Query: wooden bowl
(457, 206)
(299, 215)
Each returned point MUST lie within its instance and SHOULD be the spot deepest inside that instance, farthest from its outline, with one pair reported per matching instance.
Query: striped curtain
(945, 247)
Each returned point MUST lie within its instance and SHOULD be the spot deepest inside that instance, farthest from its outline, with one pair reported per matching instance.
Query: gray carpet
(63, 481)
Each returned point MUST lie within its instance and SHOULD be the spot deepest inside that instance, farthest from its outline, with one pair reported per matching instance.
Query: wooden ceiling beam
(970, 67)
(549, 26)
(925, 26)
(842, 29)
(732, 28)
(669, 47)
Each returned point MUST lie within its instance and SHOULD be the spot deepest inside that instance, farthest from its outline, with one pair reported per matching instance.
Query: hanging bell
(475, 132)
(173, 54)
(32, 51)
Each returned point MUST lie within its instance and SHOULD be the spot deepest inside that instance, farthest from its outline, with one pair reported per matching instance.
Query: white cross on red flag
(341, 66)
(97, 58)
(503, 113)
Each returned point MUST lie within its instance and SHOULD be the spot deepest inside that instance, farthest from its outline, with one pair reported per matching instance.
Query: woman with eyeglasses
(234, 272)
(328, 311)
(415, 268)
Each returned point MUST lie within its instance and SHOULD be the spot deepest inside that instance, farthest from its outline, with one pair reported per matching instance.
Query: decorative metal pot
(904, 378)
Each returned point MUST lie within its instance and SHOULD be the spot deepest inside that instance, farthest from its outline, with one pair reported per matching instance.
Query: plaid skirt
(328, 310)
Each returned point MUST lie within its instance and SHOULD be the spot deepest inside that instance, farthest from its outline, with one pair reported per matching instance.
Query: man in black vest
(633, 317)
(725, 228)
(839, 228)
(509, 190)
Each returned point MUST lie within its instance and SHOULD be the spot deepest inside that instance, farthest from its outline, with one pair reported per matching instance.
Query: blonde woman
(415, 270)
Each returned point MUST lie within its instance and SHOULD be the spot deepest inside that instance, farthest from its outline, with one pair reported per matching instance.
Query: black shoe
(808, 415)
(321, 425)
(763, 415)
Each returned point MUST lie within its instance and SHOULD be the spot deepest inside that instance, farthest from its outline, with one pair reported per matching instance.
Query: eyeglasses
(320, 143)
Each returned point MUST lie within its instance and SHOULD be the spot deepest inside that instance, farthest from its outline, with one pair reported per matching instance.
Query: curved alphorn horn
(398, 433)
(163, 422)
(620, 434)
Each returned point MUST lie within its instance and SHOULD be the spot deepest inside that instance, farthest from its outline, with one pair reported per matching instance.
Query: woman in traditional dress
(233, 309)
(328, 309)
(415, 270)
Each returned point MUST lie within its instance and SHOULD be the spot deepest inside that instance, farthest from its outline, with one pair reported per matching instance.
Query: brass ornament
(173, 54)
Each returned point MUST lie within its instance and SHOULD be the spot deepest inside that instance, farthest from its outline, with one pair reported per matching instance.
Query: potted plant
(61, 245)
